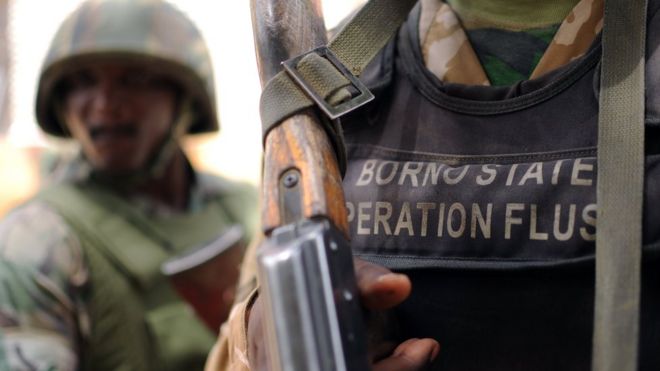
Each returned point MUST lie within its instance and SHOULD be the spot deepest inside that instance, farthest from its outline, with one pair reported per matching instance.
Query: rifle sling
(620, 187)
(354, 46)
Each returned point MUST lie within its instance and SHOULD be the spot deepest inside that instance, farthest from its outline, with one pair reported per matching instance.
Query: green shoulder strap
(354, 47)
(620, 188)
(119, 228)
(323, 77)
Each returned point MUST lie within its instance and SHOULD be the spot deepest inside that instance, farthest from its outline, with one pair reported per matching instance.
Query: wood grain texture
(284, 29)
(300, 143)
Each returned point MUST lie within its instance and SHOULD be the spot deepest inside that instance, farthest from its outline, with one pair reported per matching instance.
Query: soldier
(81, 265)
(473, 173)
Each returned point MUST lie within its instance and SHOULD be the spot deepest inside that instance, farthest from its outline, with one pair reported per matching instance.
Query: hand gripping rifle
(311, 303)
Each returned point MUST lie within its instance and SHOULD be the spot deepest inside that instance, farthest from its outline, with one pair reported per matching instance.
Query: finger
(411, 355)
(379, 287)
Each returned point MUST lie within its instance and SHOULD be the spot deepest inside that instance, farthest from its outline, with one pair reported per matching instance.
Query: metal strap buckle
(363, 97)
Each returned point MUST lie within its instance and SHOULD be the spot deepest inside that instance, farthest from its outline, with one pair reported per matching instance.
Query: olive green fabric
(137, 321)
(620, 189)
(355, 46)
(152, 32)
(511, 14)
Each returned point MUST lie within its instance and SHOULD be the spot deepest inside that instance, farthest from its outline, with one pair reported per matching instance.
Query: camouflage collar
(449, 55)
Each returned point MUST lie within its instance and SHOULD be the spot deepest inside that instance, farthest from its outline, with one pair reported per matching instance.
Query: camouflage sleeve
(42, 273)
(230, 352)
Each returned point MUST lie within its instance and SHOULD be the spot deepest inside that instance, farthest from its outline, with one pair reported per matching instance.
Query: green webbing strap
(355, 46)
(114, 237)
(134, 242)
(620, 187)
(371, 28)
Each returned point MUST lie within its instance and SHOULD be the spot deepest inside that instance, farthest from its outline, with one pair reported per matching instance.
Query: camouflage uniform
(449, 55)
(45, 276)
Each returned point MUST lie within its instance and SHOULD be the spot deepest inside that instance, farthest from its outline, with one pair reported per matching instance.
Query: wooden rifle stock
(301, 177)
(312, 314)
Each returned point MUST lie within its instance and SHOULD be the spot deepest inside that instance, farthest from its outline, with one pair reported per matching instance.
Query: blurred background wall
(26, 28)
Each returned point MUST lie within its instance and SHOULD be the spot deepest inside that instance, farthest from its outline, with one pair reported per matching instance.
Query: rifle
(312, 313)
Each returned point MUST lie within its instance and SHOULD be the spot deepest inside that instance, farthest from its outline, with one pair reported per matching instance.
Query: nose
(106, 99)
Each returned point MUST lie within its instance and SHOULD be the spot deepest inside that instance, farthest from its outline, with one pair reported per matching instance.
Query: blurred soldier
(81, 265)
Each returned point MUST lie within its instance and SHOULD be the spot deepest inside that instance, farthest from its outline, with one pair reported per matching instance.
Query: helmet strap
(156, 167)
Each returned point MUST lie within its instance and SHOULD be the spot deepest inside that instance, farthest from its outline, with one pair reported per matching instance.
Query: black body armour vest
(486, 198)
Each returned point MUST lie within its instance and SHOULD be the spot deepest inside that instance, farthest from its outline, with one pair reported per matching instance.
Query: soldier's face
(120, 113)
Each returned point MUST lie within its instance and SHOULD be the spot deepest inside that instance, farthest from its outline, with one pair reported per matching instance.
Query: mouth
(101, 133)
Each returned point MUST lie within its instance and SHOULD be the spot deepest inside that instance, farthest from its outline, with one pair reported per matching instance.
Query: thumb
(379, 287)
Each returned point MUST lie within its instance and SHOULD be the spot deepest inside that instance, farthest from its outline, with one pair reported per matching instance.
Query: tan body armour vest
(137, 322)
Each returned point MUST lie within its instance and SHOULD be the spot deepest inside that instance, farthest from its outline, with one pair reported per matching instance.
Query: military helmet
(149, 31)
